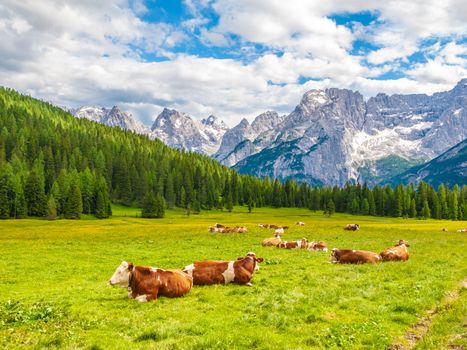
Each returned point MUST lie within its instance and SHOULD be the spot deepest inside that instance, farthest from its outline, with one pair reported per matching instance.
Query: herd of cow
(147, 283)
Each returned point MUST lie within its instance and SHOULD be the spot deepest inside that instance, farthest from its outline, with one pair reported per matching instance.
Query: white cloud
(74, 53)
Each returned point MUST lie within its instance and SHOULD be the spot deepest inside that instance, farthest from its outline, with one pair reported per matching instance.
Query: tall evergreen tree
(149, 209)
(51, 208)
(35, 195)
(426, 214)
(74, 202)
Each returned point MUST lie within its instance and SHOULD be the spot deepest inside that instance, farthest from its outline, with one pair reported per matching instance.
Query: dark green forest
(54, 165)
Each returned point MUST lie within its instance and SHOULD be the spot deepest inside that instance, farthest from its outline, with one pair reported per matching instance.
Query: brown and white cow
(219, 225)
(148, 283)
(241, 229)
(350, 256)
(397, 253)
(352, 227)
(273, 241)
(462, 230)
(301, 244)
(224, 272)
(300, 223)
(444, 229)
(318, 246)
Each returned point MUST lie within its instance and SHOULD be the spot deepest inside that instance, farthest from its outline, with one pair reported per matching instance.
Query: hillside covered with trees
(54, 165)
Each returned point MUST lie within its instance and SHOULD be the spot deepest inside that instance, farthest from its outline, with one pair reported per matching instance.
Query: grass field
(55, 294)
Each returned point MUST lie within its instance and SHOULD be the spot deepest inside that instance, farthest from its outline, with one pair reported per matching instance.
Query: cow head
(401, 242)
(121, 276)
(256, 260)
(285, 227)
(335, 255)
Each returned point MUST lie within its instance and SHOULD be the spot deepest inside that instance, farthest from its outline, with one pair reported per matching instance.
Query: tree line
(55, 165)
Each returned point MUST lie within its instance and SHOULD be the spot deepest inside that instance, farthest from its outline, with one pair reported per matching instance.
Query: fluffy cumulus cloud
(231, 58)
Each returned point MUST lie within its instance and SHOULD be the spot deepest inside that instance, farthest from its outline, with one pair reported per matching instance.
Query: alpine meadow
(233, 175)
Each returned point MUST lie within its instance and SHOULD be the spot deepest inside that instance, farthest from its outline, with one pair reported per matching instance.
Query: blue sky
(231, 58)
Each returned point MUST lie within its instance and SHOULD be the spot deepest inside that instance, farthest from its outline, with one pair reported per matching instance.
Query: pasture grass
(55, 294)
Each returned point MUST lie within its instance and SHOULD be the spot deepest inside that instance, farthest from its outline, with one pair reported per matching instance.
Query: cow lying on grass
(398, 252)
(352, 227)
(236, 229)
(224, 272)
(301, 244)
(273, 241)
(462, 230)
(318, 246)
(300, 223)
(350, 256)
(148, 283)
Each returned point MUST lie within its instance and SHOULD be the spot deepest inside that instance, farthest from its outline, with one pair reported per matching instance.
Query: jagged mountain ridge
(111, 117)
(331, 137)
(448, 168)
(334, 136)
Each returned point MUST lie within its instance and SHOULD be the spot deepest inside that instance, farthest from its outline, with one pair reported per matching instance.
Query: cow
(224, 272)
(352, 227)
(301, 244)
(318, 246)
(397, 253)
(219, 225)
(213, 229)
(273, 241)
(148, 283)
(241, 229)
(349, 256)
(462, 230)
(300, 223)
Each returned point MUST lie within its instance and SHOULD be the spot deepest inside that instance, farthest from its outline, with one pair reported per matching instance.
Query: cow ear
(130, 266)
(259, 259)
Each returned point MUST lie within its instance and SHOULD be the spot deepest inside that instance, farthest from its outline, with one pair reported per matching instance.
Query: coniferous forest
(54, 165)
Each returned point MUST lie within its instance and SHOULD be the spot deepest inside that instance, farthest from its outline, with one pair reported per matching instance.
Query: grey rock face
(111, 117)
(179, 130)
(334, 136)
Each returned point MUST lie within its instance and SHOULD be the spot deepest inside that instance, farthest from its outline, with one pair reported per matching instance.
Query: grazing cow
(148, 283)
(352, 227)
(318, 246)
(301, 244)
(462, 230)
(444, 229)
(300, 223)
(273, 241)
(224, 272)
(349, 256)
(396, 253)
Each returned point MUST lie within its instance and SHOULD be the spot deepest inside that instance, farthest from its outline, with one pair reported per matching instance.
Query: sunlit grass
(55, 273)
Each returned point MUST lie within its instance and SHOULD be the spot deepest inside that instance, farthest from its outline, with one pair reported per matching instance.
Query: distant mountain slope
(181, 131)
(111, 117)
(334, 136)
(449, 168)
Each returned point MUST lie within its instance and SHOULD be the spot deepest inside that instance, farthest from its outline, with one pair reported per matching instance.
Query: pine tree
(34, 191)
(372, 205)
(330, 208)
(365, 207)
(149, 209)
(74, 202)
(102, 209)
(51, 208)
(251, 205)
(426, 214)
(229, 203)
(159, 207)
(453, 205)
(4, 200)
(413, 209)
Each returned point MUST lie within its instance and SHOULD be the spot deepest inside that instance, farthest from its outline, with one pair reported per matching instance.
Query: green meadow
(55, 294)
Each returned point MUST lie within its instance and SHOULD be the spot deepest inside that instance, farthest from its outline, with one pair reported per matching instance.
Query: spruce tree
(159, 207)
(4, 200)
(330, 208)
(149, 209)
(365, 207)
(102, 209)
(229, 202)
(413, 209)
(251, 205)
(426, 214)
(74, 202)
(51, 208)
(35, 196)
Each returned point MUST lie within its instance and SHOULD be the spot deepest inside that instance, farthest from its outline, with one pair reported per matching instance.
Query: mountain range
(331, 137)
